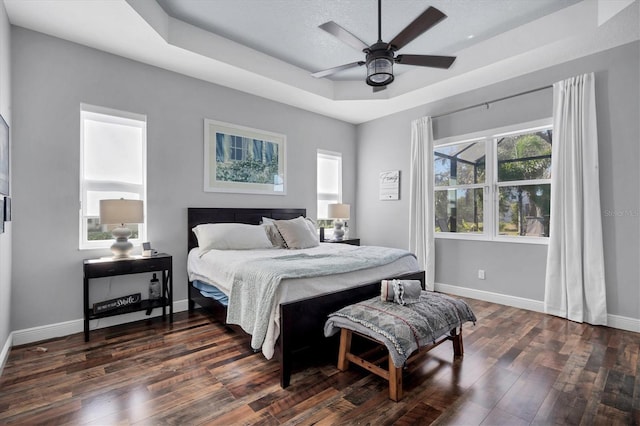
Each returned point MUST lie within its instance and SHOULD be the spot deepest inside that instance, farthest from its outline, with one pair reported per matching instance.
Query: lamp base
(122, 246)
(338, 231)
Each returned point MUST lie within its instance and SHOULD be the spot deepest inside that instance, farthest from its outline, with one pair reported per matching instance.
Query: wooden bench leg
(395, 381)
(393, 374)
(345, 348)
(458, 348)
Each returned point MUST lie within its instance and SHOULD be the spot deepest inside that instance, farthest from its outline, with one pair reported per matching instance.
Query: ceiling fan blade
(344, 35)
(422, 23)
(334, 70)
(379, 88)
(426, 60)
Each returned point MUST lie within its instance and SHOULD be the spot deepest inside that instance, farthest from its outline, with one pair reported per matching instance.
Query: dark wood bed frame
(301, 321)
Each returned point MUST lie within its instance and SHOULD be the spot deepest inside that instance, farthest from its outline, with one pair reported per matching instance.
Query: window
(524, 183)
(459, 182)
(495, 185)
(329, 184)
(112, 165)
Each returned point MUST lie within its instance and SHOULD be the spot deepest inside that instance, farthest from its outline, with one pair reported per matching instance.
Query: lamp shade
(121, 211)
(339, 211)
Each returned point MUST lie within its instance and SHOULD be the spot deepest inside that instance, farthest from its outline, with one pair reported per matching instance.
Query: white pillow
(231, 236)
(297, 233)
(312, 226)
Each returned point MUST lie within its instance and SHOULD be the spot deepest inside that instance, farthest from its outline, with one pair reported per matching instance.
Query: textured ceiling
(288, 29)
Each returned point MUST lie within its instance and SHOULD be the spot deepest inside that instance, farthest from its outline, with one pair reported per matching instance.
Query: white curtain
(421, 218)
(575, 286)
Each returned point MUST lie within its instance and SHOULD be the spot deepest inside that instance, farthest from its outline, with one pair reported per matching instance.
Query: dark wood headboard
(199, 215)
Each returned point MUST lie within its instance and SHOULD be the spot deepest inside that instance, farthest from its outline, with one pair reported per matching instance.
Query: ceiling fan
(381, 56)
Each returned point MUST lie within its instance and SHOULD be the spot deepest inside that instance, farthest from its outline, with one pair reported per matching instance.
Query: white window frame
(491, 185)
(331, 155)
(467, 235)
(108, 115)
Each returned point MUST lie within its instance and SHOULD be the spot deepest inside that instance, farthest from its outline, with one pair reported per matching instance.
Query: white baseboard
(49, 331)
(614, 321)
(487, 296)
(36, 334)
(623, 323)
(4, 355)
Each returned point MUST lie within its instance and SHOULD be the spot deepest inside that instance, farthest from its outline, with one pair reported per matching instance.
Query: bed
(301, 320)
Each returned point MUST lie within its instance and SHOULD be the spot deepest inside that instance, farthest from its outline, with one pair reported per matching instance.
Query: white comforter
(220, 268)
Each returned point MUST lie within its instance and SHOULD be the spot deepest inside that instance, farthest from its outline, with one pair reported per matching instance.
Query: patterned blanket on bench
(402, 329)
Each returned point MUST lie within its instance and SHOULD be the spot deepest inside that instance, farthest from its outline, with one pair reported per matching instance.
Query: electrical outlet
(481, 274)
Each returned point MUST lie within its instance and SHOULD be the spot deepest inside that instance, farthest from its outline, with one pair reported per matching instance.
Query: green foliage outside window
(525, 209)
(524, 157)
(522, 177)
(324, 223)
(98, 232)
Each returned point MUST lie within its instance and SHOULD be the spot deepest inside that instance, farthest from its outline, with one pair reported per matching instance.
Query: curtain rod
(491, 102)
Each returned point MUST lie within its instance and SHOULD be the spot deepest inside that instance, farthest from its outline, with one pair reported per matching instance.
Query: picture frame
(7, 209)
(239, 159)
(2, 210)
(147, 251)
(390, 185)
(4, 157)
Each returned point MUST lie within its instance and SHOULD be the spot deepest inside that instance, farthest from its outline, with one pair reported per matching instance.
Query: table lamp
(337, 212)
(121, 212)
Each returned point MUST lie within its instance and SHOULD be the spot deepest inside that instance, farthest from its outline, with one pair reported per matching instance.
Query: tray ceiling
(269, 48)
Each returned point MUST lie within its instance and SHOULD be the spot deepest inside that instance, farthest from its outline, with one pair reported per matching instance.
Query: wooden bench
(392, 374)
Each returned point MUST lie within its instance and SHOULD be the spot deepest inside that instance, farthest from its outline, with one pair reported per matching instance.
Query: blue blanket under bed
(212, 292)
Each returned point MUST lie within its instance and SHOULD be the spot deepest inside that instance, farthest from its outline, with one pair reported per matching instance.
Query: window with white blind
(112, 165)
(329, 182)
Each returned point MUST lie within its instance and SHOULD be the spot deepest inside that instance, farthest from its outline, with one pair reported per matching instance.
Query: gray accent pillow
(274, 235)
(297, 233)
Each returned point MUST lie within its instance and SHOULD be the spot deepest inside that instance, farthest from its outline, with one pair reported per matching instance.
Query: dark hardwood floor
(520, 367)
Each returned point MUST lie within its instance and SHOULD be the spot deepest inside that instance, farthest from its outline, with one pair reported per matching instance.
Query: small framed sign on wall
(2, 219)
(7, 209)
(4, 157)
(390, 185)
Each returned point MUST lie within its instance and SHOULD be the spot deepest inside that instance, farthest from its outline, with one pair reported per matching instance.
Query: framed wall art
(390, 185)
(243, 160)
(4, 157)
(7, 209)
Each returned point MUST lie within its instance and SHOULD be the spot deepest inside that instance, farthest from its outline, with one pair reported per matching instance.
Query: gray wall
(518, 269)
(52, 78)
(5, 238)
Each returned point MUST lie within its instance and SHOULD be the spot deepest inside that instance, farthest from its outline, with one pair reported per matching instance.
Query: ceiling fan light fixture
(379, 68)
(379, 72)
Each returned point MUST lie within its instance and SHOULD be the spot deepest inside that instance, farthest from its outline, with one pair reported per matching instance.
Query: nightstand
(352, 241)
(110, 267)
